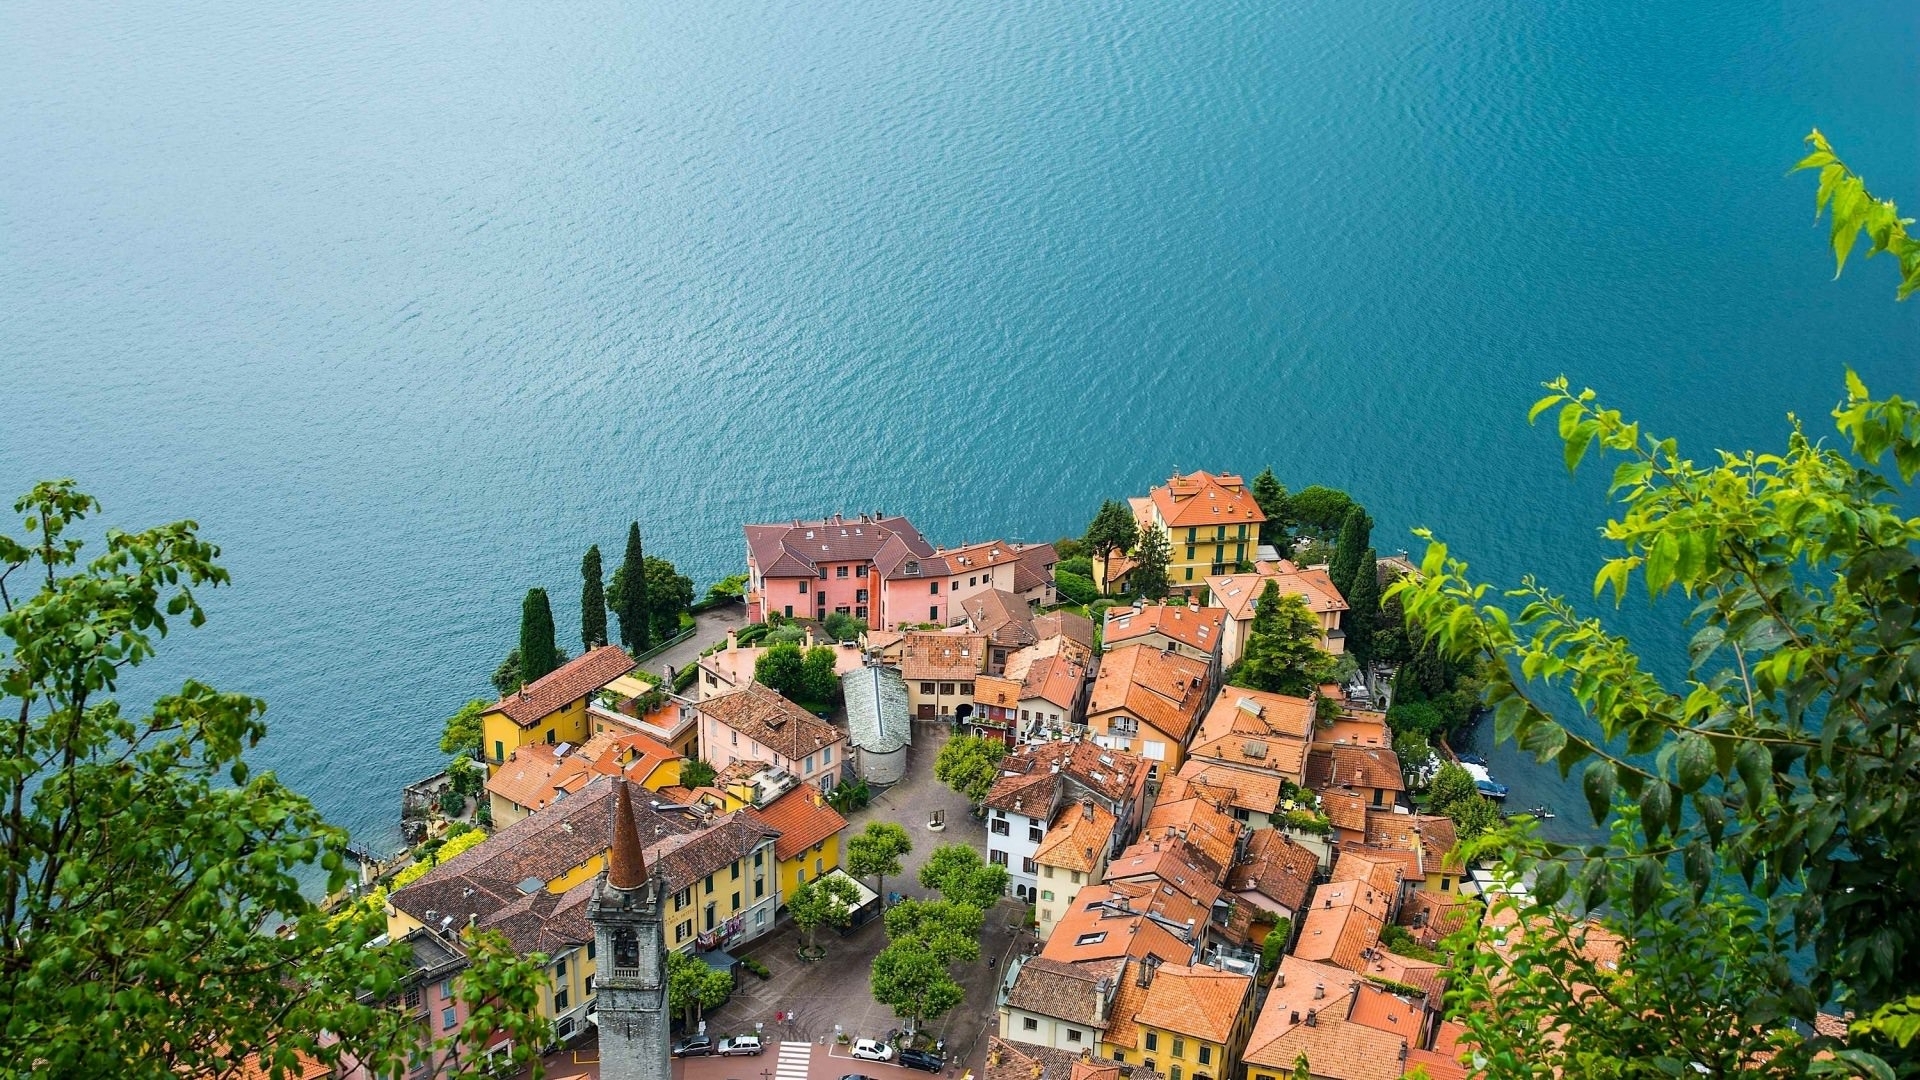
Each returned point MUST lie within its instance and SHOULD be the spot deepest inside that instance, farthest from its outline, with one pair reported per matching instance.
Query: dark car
(922, 1060)
(692, 1046)
(856, 1076)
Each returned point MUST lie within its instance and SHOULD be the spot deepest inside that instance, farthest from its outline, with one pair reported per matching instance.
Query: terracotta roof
(1002, 616)
(1035, 568)
(1077, 838)
(1252, 790)
(796, 549)
(1008, 1060)
(1346, 809)
(1276, 868)
(1195, 627)
(1034, 775)
(1430, 916)
(1383, 1010)
(1335, 1047)
(772, 721)
(626, 862)
(1174, 863)
(1200, 1002)
(566, 684)
(1197, 820)
(1425, 976)
(1099, 926)
(981, 556)
(934, 655)
(1341, 922)
(685, 859)
(802, 820)
(1439, 1066)
(1071, 625)
(535, 775)
(1239, 594)
(1432, 837)
(1061, 990)
(1382, 874)
(1161, 688)
(1055, 680)
(1355, 728)
(1354, 766)
(1205, 499)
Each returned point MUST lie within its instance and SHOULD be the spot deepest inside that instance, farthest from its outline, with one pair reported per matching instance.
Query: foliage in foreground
(141, 860)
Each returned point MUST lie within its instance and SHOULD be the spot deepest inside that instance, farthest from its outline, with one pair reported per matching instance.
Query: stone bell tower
(630, 941)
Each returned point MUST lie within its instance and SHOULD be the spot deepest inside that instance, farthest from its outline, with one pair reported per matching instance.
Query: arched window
(626, 950)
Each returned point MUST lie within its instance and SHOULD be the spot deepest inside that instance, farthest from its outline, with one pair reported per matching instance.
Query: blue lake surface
(408, 302)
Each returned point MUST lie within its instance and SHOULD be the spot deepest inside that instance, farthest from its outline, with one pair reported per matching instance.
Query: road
(780, 1061)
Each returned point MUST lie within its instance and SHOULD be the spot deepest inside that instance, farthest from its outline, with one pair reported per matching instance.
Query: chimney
(1313, 1018)
(1102, 998)
(1280, 978)
(1319, 991)
(733, 641)
(1086, 809)
(626, 863)
(1294, 1017)
(809, 637)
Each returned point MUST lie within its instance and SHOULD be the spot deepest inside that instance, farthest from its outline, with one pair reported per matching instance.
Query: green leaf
(1755, 767)
(1693, 762)
(1596, 782)
(1655, 802)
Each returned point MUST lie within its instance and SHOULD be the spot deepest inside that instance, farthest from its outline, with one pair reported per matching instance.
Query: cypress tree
(1271, 497)
(538, 653)
(593, 601)
(1355, 531)
(642, 607)
(1363, 611)
(629, 596)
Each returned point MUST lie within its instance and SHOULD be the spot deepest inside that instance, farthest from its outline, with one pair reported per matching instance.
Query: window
(1446, 884)
(933, 614)
(1150, 1065)
(1206, 1054)
(413, 997)
(933, 588)
(446, 1019)
(809, 763)
(1026, 866)
(560, 970)
(1033, 832)
(683, 931)
(860, 596)
(759, 887)
(1179, 1046)
(1189, 573)
(550, 738)
(1096, 938)
(709, 884)
(946, 688)
(1174, 1073)
(564, 1028)
(803, 585)
(1153, 1042)
(1076, 877)
(997, 858)
(966, 688)
(757, 856)
(1028, 1023)
(499, 752)
(999, 826)
(736, 871)
(1189, 552)
(760, 917)
(801, 877)
(1023, 716)
(1123, 725)
(861, 611)
(840, 571)
(971, 582)
(1119, 1055)
(789, 611)
(1073, 1035)
(710, 907)
(1046, 894)
(926, 688)
(447, 987)
(1047, 872)
(560, 1000)
(826, 757)
(819, 867)
(736, 901)
(589, 990)
(735, 737)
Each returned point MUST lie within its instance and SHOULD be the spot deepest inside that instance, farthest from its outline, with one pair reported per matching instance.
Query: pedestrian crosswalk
(794, 1059)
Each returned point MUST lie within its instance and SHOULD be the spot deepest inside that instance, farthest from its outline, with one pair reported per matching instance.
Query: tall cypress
(643, 609)
(1363, 611)
(1355, 533)
(538, 653)
(629, 599)
(593, 601)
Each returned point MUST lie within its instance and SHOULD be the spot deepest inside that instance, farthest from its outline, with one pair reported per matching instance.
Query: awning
(718, 959)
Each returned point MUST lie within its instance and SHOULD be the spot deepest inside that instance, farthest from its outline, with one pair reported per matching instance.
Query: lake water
(408, 302)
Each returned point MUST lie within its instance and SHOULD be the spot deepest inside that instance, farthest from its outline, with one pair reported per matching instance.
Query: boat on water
(1482, 780)
(1541, 813)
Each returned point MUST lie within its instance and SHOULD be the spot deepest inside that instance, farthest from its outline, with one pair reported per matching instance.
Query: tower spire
(626, 862)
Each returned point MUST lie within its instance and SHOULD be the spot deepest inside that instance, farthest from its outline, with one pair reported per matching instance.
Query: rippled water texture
(407, 302)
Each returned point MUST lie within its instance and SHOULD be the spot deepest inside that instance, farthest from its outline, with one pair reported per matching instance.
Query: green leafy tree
(728, 589)
(826, 901)
(1363, 611)
(1421, 718)
(783, 668)
(593, 600)
(1761, 806)
(1473, 817)
(1079, 565)
(819, 681)
(462, 734)
(914, 984)
(1391, 643)
(1080, 590)
(1070, 547)
(693, 987)
(538, 653)
(696, 773)
(947, 931)
(1271, 497)
(1150, 564)
(1271, 948)
(1356, 531)
(506, 677)
(969, 764)
(1452, 784)
(1320, 510)
(962, 877)
(1112, 529)
(1283, 654)
(843, 627)
(667, 596)
(140, 856)
(876, 851)
(1416, 757)
(627, 595)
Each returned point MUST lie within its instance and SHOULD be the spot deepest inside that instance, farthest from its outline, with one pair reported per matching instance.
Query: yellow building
(811, 832)
(1184, 1022)
(1212, 526)
(531, 882)
(537, 775)
(553, 708)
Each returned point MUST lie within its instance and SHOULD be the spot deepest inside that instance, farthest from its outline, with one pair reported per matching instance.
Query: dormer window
(912, 567)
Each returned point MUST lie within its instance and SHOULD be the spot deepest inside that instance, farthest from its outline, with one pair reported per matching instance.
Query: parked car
(856, 1076)
(922, 1060)
(693, 1046)
(740, 1044)
(872, 1050)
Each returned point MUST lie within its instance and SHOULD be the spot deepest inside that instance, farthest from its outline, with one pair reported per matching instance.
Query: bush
(683, 679)
(695, 773)
(1076, 588)
(756, 967)
(842, 627)
(1276, 940)
(452, 803)
(1416, 718)
(785, 635)
(1078, 564)
(1303, 821)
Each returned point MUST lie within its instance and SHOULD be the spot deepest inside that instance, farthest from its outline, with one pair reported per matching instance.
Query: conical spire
(626, 863)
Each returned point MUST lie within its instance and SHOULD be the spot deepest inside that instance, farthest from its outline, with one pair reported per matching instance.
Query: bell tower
(630, 983)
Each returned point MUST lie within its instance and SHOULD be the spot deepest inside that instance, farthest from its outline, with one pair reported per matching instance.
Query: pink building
(871, 567)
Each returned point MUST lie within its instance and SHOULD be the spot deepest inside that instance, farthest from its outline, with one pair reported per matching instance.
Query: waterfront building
(536, 775)
(1211, 523)
(871, 567)
(1371, 772)
(756, 724)
(553, 708)
(1238, 594)
(1188, 629)
(726, 670)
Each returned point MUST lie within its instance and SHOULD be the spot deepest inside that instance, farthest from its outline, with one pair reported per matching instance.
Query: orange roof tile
(1077, 838)
(1255, 791)
(566, 684)
(933, 655)
(1383, 1010)
(1199, 822)
(1346, 809)
(1354, 766)
(1096, 928)
(1238, 594)
(802, 818)
(1335, 1047)
(1197, 628)
(772, 721)
(1161, 688)
(1432, 837)
(1275, 867)
(1205, 499)
(1383, 874)
(1201, 1002)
